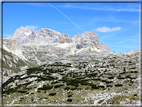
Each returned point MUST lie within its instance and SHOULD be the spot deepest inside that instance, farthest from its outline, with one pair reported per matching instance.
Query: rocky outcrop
(11, 44)
(79, 46)
(132, 52)
(105, 47)
(64, 38)
(114, 51)
(87, 39)
(14, 47)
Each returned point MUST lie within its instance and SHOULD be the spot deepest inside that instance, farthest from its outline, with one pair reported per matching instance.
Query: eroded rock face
(48, 36)
(25, 36)
(79, 46)
(87, 38)
(21, 34)
(14, 47)
(11, 44)
(105, 47)
(90, 39)
(64, 38)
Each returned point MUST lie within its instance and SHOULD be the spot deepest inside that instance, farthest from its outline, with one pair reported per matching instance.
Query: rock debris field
(101, 80)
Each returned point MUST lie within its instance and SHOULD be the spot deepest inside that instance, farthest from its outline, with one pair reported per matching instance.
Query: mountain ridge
(46, 36)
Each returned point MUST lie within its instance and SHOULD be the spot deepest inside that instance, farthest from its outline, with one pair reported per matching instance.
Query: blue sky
(117, 24)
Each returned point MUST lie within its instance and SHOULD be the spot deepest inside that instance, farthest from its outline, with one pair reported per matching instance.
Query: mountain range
(48, 36)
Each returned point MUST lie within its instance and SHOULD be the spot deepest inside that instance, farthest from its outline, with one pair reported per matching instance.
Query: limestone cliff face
(48, 36)
(90, 39)
(11, 44)
(105, 47)
(87, 38)
(64, 38)
(14, 47)
(44, 36)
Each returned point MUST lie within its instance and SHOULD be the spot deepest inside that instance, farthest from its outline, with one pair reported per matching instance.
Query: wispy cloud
(118, 9)
(107, 29)
(31, 27)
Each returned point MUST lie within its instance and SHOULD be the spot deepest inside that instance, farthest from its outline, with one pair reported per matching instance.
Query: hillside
(47, 67)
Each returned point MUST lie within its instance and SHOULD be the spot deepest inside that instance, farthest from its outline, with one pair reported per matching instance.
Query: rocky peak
(64, 38)
(87, 38)
(87, 35)
(105, 47)
(22, 28)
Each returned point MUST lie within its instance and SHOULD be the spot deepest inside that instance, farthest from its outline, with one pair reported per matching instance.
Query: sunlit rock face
(105, 47)
(90, 39)
(25, 36)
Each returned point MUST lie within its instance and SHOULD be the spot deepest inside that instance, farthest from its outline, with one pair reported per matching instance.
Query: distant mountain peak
(48, 36)
(22, 28)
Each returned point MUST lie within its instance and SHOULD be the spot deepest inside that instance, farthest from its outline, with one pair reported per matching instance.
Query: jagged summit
(90, 39)
(105, 47)
(49, 36)
(44, 36)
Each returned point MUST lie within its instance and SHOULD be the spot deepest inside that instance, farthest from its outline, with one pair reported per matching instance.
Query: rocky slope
(13, 46)
(105, 79)
(80, 70)
(132, 52)
(12, 64)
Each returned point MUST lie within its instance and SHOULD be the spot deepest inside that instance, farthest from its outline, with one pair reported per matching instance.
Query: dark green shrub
(45, 87)
(101, 86)
(94, 87)
(38, 91)
(84, 83)
(109, 86)
(27, 92)
(69, 95)
(22, 91)
(134, 71)
(107, 82)
(120, 77)
(118, 85)
(128, 76)
(52, 94)
(122, 72)
(104, 80)
(110, 77)
(69, 100)
(57, 86)
(67, 88)
(75, 84)
(54, 82)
